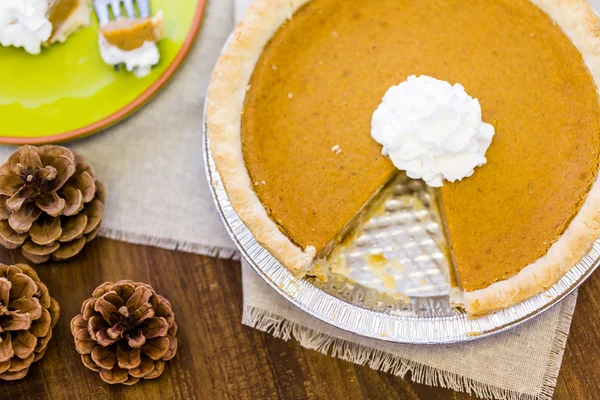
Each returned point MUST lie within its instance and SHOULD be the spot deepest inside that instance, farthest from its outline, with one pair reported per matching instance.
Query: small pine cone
(126, 332)
(27, 316)
(51, 204)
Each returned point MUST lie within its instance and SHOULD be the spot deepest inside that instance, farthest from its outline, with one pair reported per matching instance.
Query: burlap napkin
(157, 195)
(522, 363)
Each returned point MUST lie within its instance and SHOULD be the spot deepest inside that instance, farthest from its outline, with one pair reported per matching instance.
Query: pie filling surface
(306, 122)
(129, 34)
(66, 17)
(60, 10)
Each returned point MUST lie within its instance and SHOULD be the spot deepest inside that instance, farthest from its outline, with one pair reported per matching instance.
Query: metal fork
(103, 8)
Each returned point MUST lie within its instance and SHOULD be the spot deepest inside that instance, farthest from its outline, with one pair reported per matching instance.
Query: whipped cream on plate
(23, 23)
(432, 130)
(140, 60)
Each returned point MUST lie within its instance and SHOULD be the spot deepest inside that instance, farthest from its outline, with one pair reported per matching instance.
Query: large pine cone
(126, 332)
(27, 316)
(51, 204)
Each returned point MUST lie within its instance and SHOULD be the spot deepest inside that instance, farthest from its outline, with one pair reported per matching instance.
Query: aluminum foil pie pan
(390, 282)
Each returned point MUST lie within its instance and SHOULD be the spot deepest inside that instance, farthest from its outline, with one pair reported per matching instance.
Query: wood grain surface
(219, 358)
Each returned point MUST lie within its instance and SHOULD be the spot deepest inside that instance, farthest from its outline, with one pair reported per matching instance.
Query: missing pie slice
(290, 106)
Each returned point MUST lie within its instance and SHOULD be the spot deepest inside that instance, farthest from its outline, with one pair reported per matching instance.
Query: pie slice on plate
(289, 121)
(67, 17)
(132, 41)
(33, 23)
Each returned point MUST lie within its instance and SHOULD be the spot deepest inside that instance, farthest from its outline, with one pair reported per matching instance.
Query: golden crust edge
(224, 107)
(581, 24)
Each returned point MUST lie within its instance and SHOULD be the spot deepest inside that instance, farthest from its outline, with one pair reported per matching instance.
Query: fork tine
(101, 8)
(103, 13)
(116, 8)
(144, 7)
(129, 8)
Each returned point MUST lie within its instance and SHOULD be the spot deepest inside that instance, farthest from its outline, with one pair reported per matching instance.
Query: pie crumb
(417, 203)
(336, 149)
(290, 95)
(376, 260)
(388, 281)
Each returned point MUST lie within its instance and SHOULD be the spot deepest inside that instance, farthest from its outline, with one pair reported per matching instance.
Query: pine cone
(126, 332)
(51, 204)
(27, 316)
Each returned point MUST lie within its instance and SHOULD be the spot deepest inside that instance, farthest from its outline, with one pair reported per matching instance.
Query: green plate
(67, 91)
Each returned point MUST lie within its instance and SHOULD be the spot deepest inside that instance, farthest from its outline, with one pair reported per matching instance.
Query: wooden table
(219, 358)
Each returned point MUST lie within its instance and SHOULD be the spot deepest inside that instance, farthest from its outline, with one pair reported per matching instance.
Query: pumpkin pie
(289, 116)
(33, 23)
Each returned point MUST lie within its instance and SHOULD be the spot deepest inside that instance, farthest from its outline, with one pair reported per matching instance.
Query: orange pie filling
(67, 17)
(59, 12)
(129, 34)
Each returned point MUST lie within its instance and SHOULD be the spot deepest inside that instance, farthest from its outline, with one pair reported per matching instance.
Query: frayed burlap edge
(282, 328)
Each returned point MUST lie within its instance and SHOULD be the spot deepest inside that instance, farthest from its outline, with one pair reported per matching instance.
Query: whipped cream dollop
(23, 23)
(140, 60)
(432, 130)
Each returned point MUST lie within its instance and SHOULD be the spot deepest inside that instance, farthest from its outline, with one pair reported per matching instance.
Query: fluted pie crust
(225, 107)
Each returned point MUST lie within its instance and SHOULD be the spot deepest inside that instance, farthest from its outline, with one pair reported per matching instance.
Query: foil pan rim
(410, 329)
